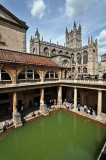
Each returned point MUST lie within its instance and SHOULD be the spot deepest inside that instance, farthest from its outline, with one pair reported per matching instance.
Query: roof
(20, 22)
(8, 56)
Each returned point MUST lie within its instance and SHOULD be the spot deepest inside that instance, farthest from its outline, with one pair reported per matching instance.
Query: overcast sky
(52, 16)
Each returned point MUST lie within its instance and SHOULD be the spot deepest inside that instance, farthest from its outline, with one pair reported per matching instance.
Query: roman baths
(53, 99)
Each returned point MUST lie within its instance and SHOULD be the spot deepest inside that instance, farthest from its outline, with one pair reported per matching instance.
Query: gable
(6, 16)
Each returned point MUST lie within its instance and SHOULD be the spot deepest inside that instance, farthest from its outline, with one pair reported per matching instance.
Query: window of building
(46, 51)
(53, 52)
(73, 69)
(85, 57)
(79, 70)
(72, 57)
(60, 52)
(4, 75)
(84, 70)
(78, 58)
(65, 63)
(29, 74)
(51, 74)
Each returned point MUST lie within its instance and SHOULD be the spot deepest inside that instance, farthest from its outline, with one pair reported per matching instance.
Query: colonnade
(59, 99)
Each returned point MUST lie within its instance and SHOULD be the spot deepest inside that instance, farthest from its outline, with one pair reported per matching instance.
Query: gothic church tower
(73, 38)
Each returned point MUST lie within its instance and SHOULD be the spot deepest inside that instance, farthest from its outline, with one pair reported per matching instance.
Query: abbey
(73, 56)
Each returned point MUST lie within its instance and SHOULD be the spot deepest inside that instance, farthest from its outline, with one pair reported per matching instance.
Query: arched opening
(78, 58)
(46, 51)
(104, 76)
(85, 57)
(65, 63)
(79, 70)
(53, 52)
(84, 70)
(34, 50)
(72, 57)
(73, 69)
(51, 75)
(28, 74)
(4, 75)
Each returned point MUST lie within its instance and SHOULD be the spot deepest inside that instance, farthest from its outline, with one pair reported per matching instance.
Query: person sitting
(4, 126)
(88, 111)
(85, 108)
(91, 111)
(33, 114)
(72, 106)
(78, 107)
(10, 123)
(52, 107)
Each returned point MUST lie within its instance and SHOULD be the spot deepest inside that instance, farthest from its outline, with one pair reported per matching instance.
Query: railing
(28, 81)
(6, 82)
(51, 79)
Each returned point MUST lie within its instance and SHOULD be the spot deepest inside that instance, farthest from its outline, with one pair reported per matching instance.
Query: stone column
(99, 106)
(59, 96)
(16, 115)
(14, 101)
(75, 98)
(41, 96)
(14, 78)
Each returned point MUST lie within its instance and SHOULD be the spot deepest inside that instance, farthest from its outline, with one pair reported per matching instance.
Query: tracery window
(79, 70)
(46, 51)
(72, 57)
(4, 75)
(85, 57)
(28, 74)
(65, 63)
(51, 74)
(84, 70)
(78, 58)
(53, 52)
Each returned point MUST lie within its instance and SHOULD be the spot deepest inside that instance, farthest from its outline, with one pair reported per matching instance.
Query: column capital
(100, 89)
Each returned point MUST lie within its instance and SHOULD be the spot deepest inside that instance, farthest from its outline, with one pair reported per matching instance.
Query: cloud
(75, 8)
(38, 8)
(102, 42)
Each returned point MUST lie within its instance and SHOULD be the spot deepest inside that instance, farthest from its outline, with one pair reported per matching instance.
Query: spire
(31, 38)
(66, 30)
(74, 24)
(79, 27)
(37, 32)
(91, 40)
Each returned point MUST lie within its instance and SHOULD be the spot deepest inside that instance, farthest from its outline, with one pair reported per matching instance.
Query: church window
(85, 57)
(65, 63)
(60, 52)
(78, 58)
(53, 52)
(84, 70)
(46, 52)
(72, 57)
(79, 70)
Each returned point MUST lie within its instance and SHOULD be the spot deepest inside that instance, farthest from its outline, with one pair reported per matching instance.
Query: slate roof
(8, 56)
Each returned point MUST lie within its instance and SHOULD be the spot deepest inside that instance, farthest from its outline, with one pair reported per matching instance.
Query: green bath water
(60, 136)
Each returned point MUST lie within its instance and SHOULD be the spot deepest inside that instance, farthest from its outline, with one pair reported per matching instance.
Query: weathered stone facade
(12, 31)
(81, 60)
(102, 66)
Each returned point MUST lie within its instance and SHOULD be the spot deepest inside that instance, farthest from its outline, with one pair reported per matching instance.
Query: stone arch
(65, 63)
(28, 74)
(53, 51)
(4, 75)
(51, 75)
(85, 57)
(78, 58)
(46, 51)
(73, 69)
(84, 70)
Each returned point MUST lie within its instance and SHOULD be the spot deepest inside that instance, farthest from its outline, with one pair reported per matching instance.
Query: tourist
(10, 123)
(54, 101)
(85, 108)
(4, 126)
(22, 110)
(82, 77)
(72, 106)
(78, 107)
(91, 111)
(33, 114)
(88, 111)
